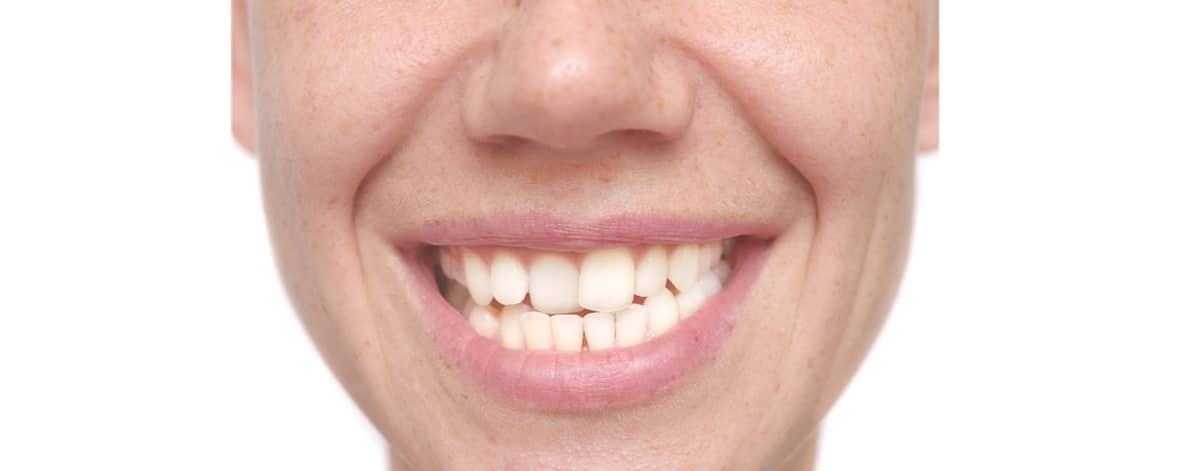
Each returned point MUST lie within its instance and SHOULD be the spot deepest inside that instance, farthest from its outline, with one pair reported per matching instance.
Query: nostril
(636, 136)
(639, 134)
(504, 140)
(626, 137)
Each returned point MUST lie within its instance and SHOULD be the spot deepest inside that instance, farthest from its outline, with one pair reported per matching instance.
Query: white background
(1050, 319)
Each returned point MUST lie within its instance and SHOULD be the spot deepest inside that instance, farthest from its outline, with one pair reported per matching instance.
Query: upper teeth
(625, 290)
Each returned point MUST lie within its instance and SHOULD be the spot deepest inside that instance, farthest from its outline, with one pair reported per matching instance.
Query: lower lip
(552, 380)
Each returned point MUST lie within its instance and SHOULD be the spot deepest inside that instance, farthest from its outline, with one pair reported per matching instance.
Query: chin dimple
(610, 297)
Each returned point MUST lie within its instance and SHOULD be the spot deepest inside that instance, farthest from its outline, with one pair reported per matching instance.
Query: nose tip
(566, 74)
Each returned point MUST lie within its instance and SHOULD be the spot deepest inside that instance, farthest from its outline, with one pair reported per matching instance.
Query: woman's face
(706, 204)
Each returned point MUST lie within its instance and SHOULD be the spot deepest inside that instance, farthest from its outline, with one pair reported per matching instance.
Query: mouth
(587, 318)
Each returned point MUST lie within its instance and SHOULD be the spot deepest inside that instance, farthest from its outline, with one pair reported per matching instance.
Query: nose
(566, 74)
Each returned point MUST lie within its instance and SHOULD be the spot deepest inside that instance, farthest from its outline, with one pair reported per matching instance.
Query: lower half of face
(590, 235)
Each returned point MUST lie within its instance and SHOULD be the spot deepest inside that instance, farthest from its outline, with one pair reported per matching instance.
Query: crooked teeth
(531, 300)
(554, 284)
(606, 280)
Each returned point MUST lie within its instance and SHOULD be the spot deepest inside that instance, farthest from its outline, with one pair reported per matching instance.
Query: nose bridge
(567, 72)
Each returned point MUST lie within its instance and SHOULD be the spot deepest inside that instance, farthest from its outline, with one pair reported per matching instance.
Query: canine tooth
(606, 279)
(690, 301)
(722, 270)
(567, 330)
(709, 283)
(651, 270)
(554, 284)
(451, 267)
(600, 330)
(662, 312)
(536, 327)
(511, 336)
(684, 266)
(631, 325)
(483, 320)
(479, 278)
(510, 281)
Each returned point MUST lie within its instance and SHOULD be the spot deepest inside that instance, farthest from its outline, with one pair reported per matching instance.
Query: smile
(599, 299)
(591, 317)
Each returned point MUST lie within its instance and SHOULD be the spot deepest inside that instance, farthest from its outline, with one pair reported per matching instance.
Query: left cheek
(840, 109)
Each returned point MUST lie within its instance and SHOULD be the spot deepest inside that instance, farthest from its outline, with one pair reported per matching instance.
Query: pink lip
(552, 380)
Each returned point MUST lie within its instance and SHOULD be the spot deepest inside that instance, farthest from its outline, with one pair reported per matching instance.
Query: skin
(373, 117)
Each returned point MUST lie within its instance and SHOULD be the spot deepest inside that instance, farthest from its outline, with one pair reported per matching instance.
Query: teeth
(722, 270)
(515, 309)
(452, 267)
(509, 279)
(479, 279)
(483, 320)
(706, 255)
(536, 327)
(631, 326)
(554, 284)
(710, 284)
(662, 311)
(684, 266)
(651, 272)
(606, 280)
(690, 301)
(714, 255)
(567, 330)
(511, 336)
(632, 300)
(600, 330)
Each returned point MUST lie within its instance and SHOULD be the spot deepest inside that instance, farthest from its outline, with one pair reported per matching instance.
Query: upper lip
(557, 233)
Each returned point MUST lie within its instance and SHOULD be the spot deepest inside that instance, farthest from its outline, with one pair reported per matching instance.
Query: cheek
(339, 89)
(834, 88)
